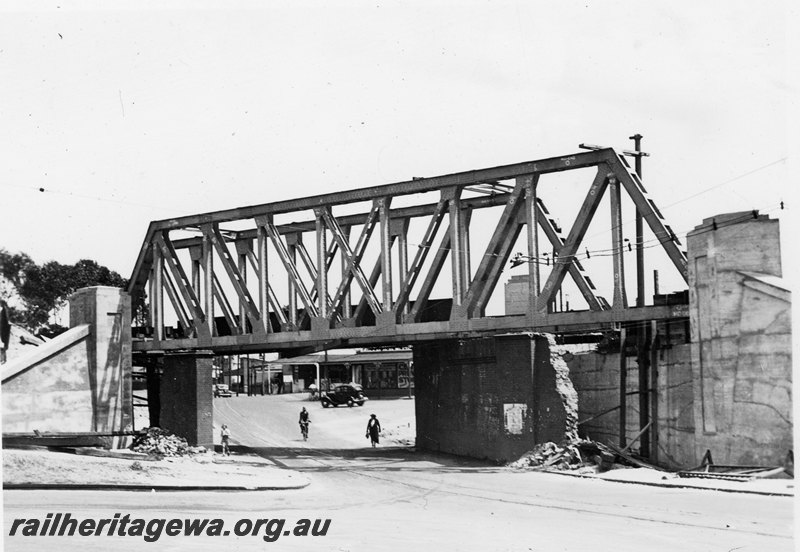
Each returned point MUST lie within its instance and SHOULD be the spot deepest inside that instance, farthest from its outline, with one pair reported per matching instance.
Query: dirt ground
(44, 467)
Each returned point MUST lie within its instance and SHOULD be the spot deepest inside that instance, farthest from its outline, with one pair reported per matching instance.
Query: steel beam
(177, 303)
(291, 268)
(158, 294)
(574, 268)
(423, 249)
(386, 251)
(410, 333)
(225, 307)
(267, 294)
(353, 261)
(576, 234)
(237, 280)
(532, 217)
(415, 186)
(494, 260)
(456, 228)
(182, 283)
(644, 206)
(618, 254)
(430, 279)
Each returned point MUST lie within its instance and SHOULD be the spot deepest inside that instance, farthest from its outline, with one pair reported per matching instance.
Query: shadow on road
(369, 459)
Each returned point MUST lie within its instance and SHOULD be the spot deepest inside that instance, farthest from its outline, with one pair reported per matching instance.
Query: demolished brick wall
(494, 397)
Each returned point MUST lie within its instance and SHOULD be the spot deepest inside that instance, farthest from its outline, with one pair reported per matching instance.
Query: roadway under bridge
(339, 270)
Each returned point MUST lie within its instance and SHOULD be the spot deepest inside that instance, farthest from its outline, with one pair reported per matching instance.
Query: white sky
(125, 116)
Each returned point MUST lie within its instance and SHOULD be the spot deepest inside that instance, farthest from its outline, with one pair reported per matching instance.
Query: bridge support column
(186, 397)
(492, 397)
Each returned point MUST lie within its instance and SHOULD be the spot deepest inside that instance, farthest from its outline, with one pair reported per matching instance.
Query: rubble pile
(160, 442)
(568, 456)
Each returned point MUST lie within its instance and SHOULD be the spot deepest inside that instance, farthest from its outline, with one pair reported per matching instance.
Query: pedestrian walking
(373, 429)
(226, 437)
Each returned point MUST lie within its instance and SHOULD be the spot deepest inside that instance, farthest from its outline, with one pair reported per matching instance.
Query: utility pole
(642, 339)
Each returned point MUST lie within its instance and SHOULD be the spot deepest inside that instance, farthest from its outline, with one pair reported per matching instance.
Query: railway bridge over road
(363, 268)
(335, 268)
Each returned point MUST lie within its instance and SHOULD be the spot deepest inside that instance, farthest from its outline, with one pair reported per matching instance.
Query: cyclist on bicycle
(304, 421)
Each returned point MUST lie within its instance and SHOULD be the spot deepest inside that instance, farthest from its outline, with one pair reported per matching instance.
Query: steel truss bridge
(217, 269)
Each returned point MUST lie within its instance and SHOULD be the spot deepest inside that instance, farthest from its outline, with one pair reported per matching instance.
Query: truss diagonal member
(236, 279)
(353, 259)
(291, 269)
(353, 263)
(576, 234)
(575, 269)
(377, 270)
(225, 305)
(646, 208)
(426, 287)
(271, 297)
(182, 283)
(419, 259)
(497, 253)
(177, 303)
(312, 268)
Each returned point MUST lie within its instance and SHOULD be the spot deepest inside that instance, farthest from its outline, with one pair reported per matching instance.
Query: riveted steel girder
(296, 290)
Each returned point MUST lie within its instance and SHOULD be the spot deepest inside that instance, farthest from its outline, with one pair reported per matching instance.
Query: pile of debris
(568, 456)
(160, 442)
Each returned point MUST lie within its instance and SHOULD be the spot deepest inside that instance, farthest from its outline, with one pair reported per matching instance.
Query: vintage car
(222, 390)
(345, 393)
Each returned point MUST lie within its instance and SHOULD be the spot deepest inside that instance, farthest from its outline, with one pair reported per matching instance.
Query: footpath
(45, 469)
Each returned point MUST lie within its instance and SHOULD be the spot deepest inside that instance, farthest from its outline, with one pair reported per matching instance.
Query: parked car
(222, 390)
(346, 393)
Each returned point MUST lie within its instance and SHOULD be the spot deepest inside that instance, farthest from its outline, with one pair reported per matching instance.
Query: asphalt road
(392, 498)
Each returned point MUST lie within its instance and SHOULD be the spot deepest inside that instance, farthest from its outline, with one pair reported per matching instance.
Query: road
(393, 498)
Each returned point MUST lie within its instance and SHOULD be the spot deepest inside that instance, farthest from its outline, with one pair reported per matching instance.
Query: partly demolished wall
(79, 382)
(596, 378)
(494, 397)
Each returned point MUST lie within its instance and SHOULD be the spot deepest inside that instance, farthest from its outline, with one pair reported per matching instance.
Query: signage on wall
(514, 417)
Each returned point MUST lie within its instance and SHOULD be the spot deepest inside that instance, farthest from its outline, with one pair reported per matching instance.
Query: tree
(43, 289)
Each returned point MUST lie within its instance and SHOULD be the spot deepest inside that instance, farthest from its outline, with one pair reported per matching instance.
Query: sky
(113, 117)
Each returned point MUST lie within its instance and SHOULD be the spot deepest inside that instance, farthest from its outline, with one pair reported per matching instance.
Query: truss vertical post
(322, 262)
(456, 244)
(466, 269)
(242, 266)
(208, 279)
(158, 293)
(401, 231)
(620, 299)
(532, 224)
(386, 251)
(292, 249)
(196, 255)
(347, 307)
(263, 277)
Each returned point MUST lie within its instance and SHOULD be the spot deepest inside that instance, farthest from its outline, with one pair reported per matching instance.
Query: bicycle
(304, 430)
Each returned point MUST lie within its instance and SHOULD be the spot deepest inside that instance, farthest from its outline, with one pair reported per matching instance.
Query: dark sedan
(350, 394)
